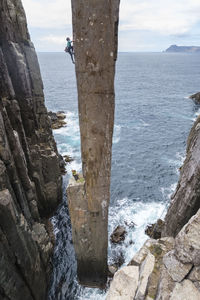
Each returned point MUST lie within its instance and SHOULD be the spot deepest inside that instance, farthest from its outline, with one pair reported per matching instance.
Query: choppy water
(152, 121)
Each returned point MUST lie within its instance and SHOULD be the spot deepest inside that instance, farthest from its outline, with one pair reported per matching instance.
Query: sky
(145, 25)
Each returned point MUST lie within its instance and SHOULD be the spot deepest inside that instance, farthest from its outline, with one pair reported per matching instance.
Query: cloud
(58, 40)
(48, 13)
(144, 24)
(166, 17)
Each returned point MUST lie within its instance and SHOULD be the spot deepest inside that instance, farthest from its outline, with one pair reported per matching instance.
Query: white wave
(72, 151)
(140, 124)
(178, 161)
(74, 165)
(144, 123)
(91, 294)
(116, 135)
(71, 128)
(168, 191)
(180, 156)
(196, 114)
(126, 212)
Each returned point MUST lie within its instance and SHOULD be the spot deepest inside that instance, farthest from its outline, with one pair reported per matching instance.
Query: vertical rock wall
(186, 199)
(95, 29)
(30, 180)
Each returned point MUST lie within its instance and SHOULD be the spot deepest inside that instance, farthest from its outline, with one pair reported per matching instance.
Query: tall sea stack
(30, 179)
(95, 30)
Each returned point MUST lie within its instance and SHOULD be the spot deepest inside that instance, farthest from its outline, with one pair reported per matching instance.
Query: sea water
(153, 116)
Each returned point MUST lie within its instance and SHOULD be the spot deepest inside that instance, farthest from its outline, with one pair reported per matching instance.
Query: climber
(76, 176)
(70, 49)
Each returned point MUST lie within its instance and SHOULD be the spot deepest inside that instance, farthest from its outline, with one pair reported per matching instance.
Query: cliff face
(30, 180)
(186, 199)
(95, 27)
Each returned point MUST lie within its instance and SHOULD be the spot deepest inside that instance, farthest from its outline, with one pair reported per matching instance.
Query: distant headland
(189, 49)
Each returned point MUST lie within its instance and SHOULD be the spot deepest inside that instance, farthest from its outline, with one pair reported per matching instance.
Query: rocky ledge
(30, 179)
(57, 119)
(163, 269)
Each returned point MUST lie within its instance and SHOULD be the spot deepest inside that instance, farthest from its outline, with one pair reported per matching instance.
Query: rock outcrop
(95, 30)
(183, 49)
(118, 235)
(30, 180)
(163, 269)
(196, 97)
(185, 201)
(57, 119)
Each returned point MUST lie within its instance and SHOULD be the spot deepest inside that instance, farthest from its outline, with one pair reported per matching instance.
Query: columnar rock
(95, 29)
(30, 180)
(185, 201)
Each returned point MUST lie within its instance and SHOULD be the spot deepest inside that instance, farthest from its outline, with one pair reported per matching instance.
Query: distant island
(189, 49)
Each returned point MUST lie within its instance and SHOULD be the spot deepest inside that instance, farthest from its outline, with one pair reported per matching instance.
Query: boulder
(57, 119)
(145, 271)
(158, 249)
(118, 235)
(154, 230)
(150, 262)
(196, 97)
(195, 274)
(185, 290)
(187, 242)
(124, 284)
(52, 116)
(165, 285)
(112, 270)
(62, 164)
(176, 269)
(68, 158)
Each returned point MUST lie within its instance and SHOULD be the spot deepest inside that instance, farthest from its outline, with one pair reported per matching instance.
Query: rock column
(95, 29)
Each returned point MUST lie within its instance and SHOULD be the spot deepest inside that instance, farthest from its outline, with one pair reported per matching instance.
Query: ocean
(153, 116)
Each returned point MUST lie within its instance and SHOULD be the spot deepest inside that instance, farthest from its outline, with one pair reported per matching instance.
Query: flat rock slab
(176, 269)
(185, 290)
(145, 271)
(195, 274)
(124, 284)
(165, 287)
(187, 242)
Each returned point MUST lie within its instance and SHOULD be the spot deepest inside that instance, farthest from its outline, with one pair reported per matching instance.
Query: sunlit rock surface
(169, 268)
